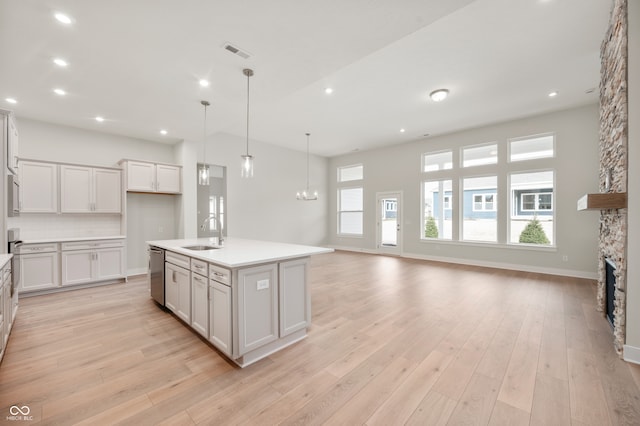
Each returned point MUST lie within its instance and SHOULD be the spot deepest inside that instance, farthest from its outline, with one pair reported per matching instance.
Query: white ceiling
(138, 63)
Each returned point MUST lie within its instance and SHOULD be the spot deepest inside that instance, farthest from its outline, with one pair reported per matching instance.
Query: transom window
(349, 173)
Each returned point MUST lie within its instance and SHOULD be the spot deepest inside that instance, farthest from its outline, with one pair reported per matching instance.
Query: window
(480, 155)
(479, 209)
(437, 196)
(350, 202)
(533, 202)
(349, 173)
(530, 148)
(484, 202)
(434, 161)
(532, 214)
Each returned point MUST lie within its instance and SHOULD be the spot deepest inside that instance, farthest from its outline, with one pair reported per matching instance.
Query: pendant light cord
(308, 134)
(204, 136)
(248, 74)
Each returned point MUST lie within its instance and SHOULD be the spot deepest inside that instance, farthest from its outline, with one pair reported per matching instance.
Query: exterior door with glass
(389, 221)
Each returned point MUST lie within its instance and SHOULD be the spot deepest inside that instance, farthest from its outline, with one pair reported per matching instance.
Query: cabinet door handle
(174, 276)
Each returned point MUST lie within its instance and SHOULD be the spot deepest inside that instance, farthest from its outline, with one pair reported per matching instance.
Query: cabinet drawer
(37, 248)
(177, 259)
(199, 267)
(219, 274)
(91, 245)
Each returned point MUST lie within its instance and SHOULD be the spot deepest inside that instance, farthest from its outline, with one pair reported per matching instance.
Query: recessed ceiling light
(11, 100)
(204, 83)
(60, 62)
(402, 130)
(439, 95)
(99, 119)
(553, 94)
(163, 132)
(61, 17)
(328, 90)
(59, 92)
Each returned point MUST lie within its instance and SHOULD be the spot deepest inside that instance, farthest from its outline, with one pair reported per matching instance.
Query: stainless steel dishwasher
(156, 274)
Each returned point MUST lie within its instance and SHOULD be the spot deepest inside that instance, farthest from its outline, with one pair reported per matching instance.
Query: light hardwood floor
(393, 341)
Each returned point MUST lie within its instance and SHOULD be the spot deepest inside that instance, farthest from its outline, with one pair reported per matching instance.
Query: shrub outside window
(437, 211)
(532, 208)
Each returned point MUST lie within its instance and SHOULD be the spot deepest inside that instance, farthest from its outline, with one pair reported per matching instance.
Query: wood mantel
(603, 201)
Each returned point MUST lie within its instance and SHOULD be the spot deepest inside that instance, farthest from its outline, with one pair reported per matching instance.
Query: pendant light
(306, 194)
(246, 168)
(203, 170)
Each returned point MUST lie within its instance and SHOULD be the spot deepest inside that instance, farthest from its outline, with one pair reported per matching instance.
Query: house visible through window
(484, 202)
(532, 209)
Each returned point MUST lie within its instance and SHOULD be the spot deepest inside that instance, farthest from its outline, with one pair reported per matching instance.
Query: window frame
(340, 211)
(431, 153)
(481, 145)
(351, 166)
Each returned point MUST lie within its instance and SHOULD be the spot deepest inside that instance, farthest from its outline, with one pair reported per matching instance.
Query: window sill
(488, 244)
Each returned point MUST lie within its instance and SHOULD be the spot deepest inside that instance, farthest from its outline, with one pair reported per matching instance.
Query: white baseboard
(136, 271)
(497, 265)
(631, 354)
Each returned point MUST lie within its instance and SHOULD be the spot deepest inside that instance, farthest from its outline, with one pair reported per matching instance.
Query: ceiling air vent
(236, 50)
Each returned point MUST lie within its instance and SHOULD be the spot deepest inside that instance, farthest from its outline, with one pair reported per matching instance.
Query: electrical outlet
(161, 229)
(262, 285)
(565, 258)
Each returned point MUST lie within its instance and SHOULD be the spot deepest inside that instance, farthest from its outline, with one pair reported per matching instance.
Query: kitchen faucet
(204, 226)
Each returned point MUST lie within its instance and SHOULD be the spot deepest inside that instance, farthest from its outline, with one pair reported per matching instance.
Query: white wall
(632, 347)
(260, 208)
(265, 206)
(150, 216)
(576, 165)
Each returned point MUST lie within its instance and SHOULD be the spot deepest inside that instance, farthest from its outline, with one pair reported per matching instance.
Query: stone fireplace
(613, 166)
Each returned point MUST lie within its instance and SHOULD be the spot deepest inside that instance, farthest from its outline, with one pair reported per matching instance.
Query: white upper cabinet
(168, 178)
(38, 187)
(12, 145)
(141, 176)
(89, 190)
(152, 177)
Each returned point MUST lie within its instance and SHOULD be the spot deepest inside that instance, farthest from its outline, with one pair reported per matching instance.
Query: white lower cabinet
(257, 298)
(39, 271)
(178, 291)
(92, 261)
(200, 304)
(39, 267)
(220, 319)
(295, 302)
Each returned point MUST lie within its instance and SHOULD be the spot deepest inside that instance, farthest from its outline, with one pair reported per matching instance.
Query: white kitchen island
(248, 298)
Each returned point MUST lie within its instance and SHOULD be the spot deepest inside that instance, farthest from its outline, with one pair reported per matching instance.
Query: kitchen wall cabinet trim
(143, 176)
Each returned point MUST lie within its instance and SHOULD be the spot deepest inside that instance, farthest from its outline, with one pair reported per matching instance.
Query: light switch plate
(262, 284)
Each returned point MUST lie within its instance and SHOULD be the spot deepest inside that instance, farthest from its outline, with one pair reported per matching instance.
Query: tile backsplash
(46, 226)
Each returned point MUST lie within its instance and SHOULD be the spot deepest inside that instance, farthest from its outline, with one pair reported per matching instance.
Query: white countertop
(69, 239)
(238, 252)
(4, 259)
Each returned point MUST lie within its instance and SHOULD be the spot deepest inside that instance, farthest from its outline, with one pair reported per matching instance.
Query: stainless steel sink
(200, 248)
